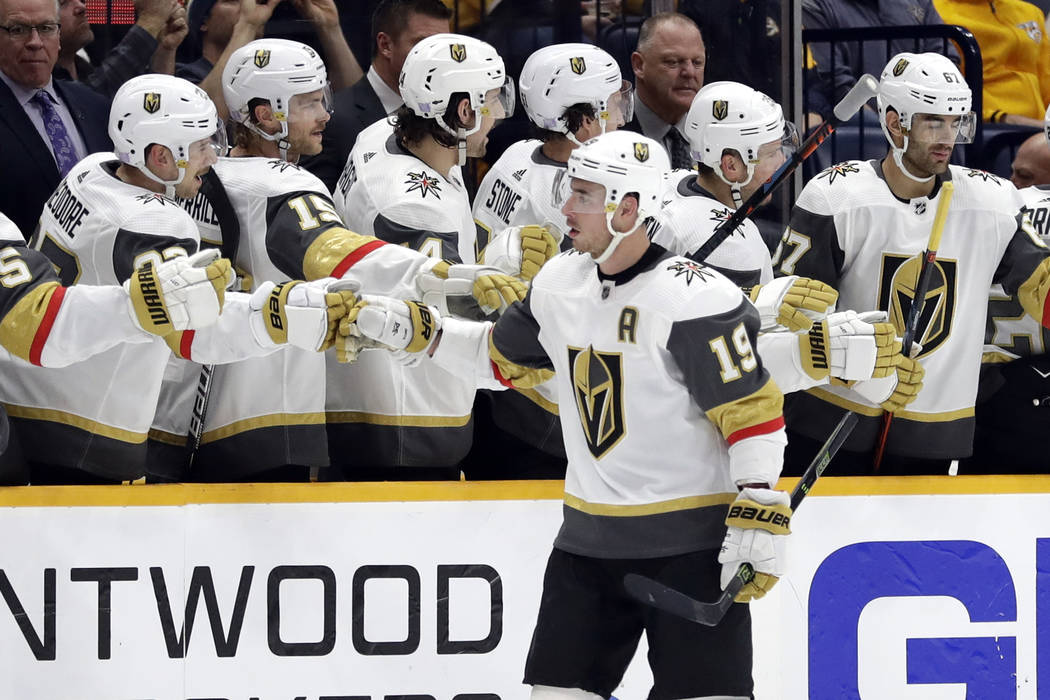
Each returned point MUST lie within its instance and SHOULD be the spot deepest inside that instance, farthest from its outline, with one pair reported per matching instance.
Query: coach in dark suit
(46, 126)
(397, 26)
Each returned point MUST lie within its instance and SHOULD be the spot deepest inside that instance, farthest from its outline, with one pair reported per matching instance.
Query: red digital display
(111, 11)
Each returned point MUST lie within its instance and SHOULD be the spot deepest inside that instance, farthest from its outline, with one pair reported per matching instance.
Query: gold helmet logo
(720, 109)
(151, 102)
(641, 152)
(897, 294)
(597, 381)
(458, 52)
(262, 58)
(578, 65)
(899, 67)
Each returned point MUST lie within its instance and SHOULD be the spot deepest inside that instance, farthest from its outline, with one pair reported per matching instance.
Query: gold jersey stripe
(402, 421)
(763, 406)
(20, 325)
(1033, 292)
(167, 438)
(331, 248)
(996, 358)
(271, 420)
(942, 417)
(515, 375)
(55, 416)
(540, 400)
(675, 504)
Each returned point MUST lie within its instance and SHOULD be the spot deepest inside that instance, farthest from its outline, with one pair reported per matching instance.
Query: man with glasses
(46, 125)
(862, 227)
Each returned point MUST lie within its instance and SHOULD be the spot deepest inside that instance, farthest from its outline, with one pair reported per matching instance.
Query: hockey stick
(677, 603)
(918, 301)
(866, 88)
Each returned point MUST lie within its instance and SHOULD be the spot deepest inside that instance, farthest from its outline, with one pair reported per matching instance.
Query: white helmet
(275, 70)
(730, 116)
(557, 77)
(925, 83)
(444, 64)
(623, 162)
(164, 110)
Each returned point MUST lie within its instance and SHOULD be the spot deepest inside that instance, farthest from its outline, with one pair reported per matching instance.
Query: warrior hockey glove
(521, 251)
(793, 302)
(302, 314)
(897, 390)
(473, 292)
(850, 346)
(406, 327)
(759, 522)
(181, 294)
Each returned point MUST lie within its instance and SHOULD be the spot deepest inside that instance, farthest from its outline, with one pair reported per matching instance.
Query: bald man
(1031, 165)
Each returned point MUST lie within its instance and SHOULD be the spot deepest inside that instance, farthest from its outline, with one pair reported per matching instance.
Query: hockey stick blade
(661, 597)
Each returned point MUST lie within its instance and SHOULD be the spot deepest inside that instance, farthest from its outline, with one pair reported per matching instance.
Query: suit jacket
(29, 174)
(356, 108)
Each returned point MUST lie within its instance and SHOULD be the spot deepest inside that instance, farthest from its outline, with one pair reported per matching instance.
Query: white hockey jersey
(379, 412)
(521, 189)
(849, 230)
(1011, 332)
(665, 405)
(690, 215)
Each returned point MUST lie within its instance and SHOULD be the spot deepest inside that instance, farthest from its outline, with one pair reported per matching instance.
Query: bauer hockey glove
(185, 293)
(850, 346)
(897, 390)
(759, 522)
(473, 292)
(521, 251)
(407, 328)
(302, 314)
(792, 302)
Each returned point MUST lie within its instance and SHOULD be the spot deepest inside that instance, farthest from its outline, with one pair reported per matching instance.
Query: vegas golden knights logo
(579, 67)
(899, 277)
(720, 109)
(151, 102)
(641, 152)
(458, 52)
(597, 382)
(262, 58)
(899, 67)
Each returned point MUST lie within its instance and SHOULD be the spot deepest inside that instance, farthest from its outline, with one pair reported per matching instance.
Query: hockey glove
(897, 390)
(405, 327)
(850, 346)
(473, 292)
(302, 314)
(185, 293)
(521, 251)
(793, 302)
(759, 522)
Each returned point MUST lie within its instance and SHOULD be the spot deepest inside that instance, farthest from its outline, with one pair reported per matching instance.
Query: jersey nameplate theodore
(597, 381)
(897, 290)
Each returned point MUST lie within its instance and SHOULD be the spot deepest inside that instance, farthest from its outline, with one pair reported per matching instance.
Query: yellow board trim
(268, 421)
(675, 504)
(863, 410)
(53, 416)
(403, 421)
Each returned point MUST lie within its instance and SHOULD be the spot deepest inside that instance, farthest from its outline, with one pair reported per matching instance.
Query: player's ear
(893, 124)
(732, 164)
(465, 113)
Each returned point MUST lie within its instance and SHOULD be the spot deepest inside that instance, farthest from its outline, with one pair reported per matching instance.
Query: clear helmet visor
(576, 196)
(940, 128)
(310, 106)
(619, 107)
(500, 102)
(207, 150)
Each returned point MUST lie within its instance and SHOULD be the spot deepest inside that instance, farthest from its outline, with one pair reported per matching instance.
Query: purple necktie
(65, 154)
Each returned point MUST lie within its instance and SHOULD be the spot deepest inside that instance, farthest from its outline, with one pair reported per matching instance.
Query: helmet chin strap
(898, 158)
(602, 121)
(280, 138)
(617, 237)
(462, 147)
(734, 187)
(169, 185)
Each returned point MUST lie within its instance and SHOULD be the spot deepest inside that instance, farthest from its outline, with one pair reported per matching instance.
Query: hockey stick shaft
(918, 301)
(864, 90)
(677, 603)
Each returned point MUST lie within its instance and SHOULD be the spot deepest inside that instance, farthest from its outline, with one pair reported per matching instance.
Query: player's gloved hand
(473, 292)
(521, 251)
(897, 390)
(185, 293)
(793, 302)
(408, 328)
(303, 314)
(850, 346)
(759, 522)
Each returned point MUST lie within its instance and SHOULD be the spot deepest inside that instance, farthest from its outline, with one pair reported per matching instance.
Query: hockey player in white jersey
(863, 227)
(738, 137)
(670, 416)
(108, 218)
(402, 183)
